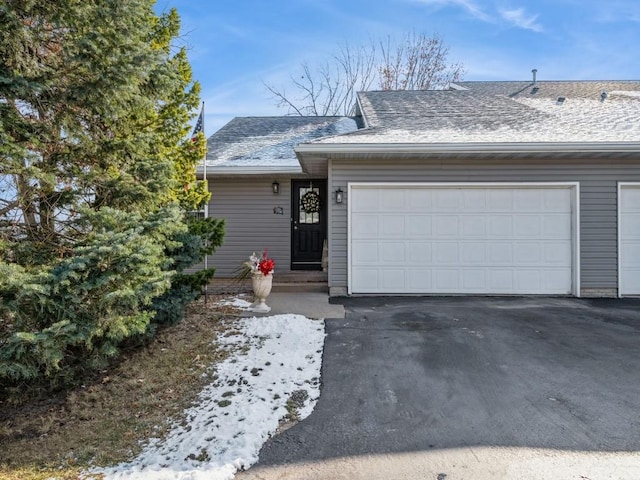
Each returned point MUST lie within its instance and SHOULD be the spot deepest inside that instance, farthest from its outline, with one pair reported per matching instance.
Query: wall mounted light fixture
(276, 187)
(339, 195)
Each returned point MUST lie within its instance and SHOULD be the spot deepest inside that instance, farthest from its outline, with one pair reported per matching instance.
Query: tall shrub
(96, 172)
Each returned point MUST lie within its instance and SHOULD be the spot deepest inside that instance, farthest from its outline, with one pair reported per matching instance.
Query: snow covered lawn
(276, 360)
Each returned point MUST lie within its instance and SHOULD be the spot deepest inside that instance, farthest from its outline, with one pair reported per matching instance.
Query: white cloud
(614, 11)
(469, 5)
(520, 18)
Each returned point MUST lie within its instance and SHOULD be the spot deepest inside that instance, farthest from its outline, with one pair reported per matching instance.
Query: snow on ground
(234, 302)
(272, 358)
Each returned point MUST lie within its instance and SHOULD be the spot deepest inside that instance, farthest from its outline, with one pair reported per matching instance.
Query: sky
(236, 46)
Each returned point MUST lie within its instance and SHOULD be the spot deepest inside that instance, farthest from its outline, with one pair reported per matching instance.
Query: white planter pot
(261, 290)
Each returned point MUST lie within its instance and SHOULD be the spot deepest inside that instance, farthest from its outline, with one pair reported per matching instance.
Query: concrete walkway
(310, 304)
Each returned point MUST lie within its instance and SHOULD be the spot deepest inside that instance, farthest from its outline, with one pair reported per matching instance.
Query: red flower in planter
(265, 264)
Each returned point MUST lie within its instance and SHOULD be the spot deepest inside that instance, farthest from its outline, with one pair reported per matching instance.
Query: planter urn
(261, 290)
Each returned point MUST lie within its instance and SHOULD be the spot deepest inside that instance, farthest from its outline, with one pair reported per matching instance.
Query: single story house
(494, 188)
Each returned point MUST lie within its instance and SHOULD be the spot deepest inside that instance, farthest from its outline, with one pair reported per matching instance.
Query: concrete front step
(288, 281)
(319, 287)
(300, 276)
(300, 281)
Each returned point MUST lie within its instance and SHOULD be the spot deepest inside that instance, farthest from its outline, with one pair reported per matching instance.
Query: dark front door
(308, 223)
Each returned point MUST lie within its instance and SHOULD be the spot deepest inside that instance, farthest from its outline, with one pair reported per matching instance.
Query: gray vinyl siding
(246, 205)
(598, 200)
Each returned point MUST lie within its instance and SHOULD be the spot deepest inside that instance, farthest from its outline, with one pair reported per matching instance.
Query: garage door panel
(526, 226)
(393, 253)
(365, 201)
(445, 226)
(500, 200)
(418, 253)
(631, 281)
(630, 252)
(364, 226)
(474, 280)
(556, 279)
(527, 200)
(557, 200)
(365, 253)
(419, 200)
(474, 253)
(447, 200)
(392, 201)
(526, 254)
(474, 200)
(500, 226)
(445, 253)
(393, 278)
(629, 241)
(462, 240)
(366, 278)
(392, 226)
(631, 224)
(419, 226)
(419, 280)
(528, 280)
(500, 253)
(446, 280)
(557, 226)
(557, 253)
(500, 280)
(473, 225)
(630, 199)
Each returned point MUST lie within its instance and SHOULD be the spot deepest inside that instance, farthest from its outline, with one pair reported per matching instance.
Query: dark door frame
(310, 257)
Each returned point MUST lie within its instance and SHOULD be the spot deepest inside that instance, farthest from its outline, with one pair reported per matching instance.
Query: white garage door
(493, 239)
(629, 239)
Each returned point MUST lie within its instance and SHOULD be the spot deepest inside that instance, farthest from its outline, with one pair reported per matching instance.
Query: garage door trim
(621, 186)
(575, 210)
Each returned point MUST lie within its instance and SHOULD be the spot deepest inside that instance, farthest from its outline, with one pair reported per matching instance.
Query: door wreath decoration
(310, 202)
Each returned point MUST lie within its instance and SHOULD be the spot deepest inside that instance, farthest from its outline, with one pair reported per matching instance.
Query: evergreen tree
(95, 160)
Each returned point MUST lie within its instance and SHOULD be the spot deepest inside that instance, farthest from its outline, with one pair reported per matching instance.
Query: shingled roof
(501, 112)
(267, 142)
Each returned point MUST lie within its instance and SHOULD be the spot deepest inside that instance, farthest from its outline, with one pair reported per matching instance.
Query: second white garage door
(449, 239)
(629, 239)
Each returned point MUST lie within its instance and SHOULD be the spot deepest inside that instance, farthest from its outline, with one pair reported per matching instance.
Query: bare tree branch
(418, 62)
(283, 101)
(10, 206)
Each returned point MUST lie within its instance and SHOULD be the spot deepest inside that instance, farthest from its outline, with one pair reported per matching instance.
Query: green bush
(74, 315)
(97, 169)
(202, 238)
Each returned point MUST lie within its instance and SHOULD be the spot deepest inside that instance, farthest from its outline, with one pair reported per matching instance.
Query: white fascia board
(449, 148)
(211, 170)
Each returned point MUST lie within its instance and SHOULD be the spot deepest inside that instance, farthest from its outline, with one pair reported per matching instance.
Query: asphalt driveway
(471, 388)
